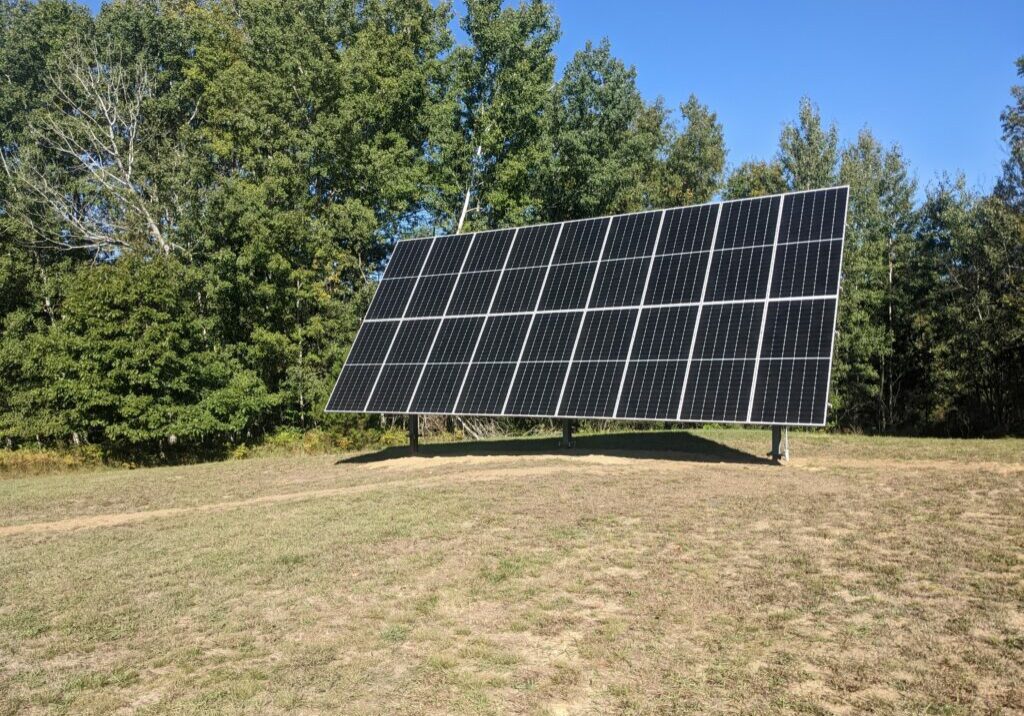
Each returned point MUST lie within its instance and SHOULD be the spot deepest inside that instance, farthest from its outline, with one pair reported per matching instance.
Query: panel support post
(414, 434)
(780, 442)
(567, 441)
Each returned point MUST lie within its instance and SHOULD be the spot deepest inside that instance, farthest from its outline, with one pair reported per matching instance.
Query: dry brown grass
(868, 575)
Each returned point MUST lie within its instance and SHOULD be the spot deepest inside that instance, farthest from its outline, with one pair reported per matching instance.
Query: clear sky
(932, 76)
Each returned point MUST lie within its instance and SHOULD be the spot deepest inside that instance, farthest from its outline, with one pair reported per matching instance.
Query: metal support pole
(414, 434)
(780, 442)
(567, 441)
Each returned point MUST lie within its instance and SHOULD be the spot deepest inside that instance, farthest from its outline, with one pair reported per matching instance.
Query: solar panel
(723, 312)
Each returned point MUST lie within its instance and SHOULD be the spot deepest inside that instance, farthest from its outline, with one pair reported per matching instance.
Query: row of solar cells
(740, 274)
(505, 272)
(429, 360)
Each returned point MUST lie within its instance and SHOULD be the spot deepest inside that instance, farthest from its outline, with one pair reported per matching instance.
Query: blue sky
(930, 76)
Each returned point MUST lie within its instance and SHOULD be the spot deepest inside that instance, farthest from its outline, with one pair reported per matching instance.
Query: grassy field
(643, 573)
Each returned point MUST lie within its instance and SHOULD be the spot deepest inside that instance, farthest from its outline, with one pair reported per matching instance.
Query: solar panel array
(721, 312)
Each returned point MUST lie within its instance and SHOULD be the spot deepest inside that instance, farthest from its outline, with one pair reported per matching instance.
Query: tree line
(196, 200)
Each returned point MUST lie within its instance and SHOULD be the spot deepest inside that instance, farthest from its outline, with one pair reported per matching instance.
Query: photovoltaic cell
(804, 269)
(519, 290)
(581, 241)
(632, 235)
(665, 333)
(568, 286)
(729, 331)
(591, 389)
(620, 283)
(536, 388)
(447, 254)
(413, 341)
(605, 335)
(799, 329)
(503, 339)
(739, 274)
(431, 295)
(438, 388)
(372, 343)
(688, 229)
(473, 293)
(408, 258)
(486, 387)
(391, 298)
(652, 390)
(678, 278)
(533, 246)
(394, 388)
(455, 340)
(748, 223)
(552, 336)
(489, 250)
(722, 312)
(353, 386)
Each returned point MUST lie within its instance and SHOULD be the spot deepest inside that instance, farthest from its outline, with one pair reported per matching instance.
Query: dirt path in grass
(126, 518)
(477, 469)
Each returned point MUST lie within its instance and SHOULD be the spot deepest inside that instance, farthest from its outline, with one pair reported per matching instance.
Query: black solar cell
(455, 340)
(665, 333)
(581, 241)
(536, 389)
(652, 390)
(438, 388)
(567, 286)
(688, 229)
(489, 250)
(534, 246)
(431, 295)
(408, 257)
(391, 297)
(677, 279)
(485, 388)
(502, 338)
(620, 283)
(633, 235)
(373, 341)
(473, 293)
(591, 389)
(605, 335)
(413, 341)
(552, 336)
(519, 290)
(447, 254)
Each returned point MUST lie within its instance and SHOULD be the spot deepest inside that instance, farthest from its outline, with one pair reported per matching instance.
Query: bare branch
(92, 141)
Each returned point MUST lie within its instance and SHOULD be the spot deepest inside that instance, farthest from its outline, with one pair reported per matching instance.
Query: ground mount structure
(722, 312)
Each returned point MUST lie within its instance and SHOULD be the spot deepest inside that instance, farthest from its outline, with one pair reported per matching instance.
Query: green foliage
(605, 139)
(131, 365)
(809, 153)
(880, 222)
(497, 87)
(695, 163)
(755, 178)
